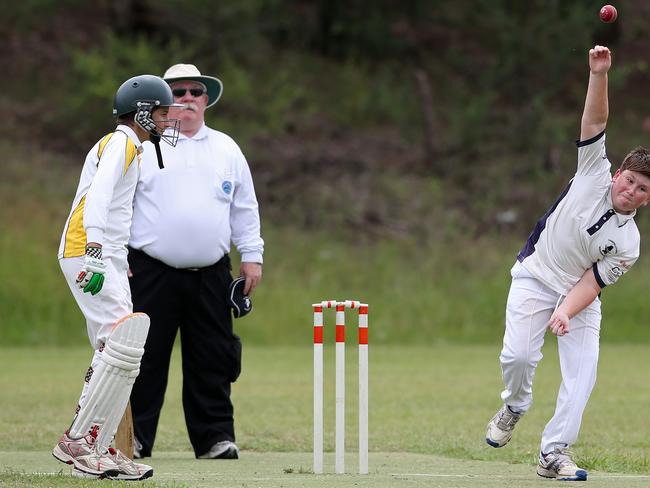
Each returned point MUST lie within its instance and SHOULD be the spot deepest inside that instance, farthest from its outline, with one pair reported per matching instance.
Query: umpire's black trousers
(194, 300)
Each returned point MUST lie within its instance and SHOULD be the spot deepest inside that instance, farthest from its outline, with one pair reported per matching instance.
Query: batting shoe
(499, 429)
(80, 474)
(128, 469)
(84, 455)
(559, 465)
(222, 450)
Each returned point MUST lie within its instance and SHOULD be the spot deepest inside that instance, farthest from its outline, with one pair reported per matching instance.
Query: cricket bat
(124, 434)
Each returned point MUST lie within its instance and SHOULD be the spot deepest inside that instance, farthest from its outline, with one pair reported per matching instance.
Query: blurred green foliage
(22, 17)
(481, 98)
(96, 73)
(353, 61)
(416, 141)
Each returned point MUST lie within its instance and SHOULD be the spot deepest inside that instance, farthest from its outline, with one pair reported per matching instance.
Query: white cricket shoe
(80, 474)
(499, 429)
(559, 465)
(83, 454)
(222, 450)
(128, 469)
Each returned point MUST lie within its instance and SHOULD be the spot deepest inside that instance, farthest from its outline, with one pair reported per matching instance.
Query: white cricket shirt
(102, 207)
(582, 230)
(187, 214)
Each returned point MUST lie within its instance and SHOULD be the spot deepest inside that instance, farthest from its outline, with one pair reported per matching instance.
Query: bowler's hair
(638, 159)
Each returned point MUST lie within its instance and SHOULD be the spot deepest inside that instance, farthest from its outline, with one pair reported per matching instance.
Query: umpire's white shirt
(187, 214)
(582, 230)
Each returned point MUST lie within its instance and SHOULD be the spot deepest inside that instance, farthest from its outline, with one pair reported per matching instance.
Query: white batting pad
(111, 383)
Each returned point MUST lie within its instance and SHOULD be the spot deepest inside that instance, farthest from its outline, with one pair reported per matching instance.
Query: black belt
(224, 261)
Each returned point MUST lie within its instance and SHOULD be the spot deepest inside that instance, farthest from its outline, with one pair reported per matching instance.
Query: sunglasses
(195, 92)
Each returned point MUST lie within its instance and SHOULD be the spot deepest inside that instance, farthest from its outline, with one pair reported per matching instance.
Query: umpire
(185, 217)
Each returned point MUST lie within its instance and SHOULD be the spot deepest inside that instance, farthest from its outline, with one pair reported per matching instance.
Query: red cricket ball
(608, 14)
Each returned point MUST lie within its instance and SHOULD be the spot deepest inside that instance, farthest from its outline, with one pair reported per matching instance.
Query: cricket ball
(608, 14)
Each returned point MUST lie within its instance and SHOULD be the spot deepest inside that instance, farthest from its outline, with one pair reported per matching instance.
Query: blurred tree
(477, 94)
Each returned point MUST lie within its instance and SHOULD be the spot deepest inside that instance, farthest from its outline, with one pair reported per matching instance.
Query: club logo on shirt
(607, 248)
(226, 186)
(617, 272)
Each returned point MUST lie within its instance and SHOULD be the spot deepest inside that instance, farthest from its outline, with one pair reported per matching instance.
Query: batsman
(93, 258)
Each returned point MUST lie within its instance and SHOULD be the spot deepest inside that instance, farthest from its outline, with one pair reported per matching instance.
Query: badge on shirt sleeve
(226, 186)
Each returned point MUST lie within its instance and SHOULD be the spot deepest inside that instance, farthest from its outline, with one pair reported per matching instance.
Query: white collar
(130, 133)
(200, 134)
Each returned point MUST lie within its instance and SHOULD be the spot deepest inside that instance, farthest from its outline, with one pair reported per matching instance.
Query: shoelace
(119, 455)
(559, 458)
(507, 419)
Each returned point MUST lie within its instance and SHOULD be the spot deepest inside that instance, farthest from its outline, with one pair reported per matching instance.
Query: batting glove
(91, 277)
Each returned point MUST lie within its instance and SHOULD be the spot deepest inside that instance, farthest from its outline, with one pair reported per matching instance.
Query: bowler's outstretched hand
(600, 59)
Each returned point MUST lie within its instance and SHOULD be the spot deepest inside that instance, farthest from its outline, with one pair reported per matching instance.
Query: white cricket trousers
(530, 305)
(104, 309)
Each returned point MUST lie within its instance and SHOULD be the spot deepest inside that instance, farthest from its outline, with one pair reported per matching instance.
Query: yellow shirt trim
(75, 235)
(129, 154)
(102, 144)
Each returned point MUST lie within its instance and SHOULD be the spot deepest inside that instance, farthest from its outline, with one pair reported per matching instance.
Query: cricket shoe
(559, 465)
(222, 450)
(83, 454)
(80, 474)
(128, 469)
(499, 429)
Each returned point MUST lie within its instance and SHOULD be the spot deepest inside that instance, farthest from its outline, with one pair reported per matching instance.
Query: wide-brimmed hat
(189, 72)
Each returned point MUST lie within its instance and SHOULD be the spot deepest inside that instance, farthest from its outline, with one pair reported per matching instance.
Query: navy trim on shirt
(529, 246)
(599, 280)
(601, 221)
(580, 143)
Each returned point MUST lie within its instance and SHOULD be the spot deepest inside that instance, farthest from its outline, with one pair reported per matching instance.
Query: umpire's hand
(253, 274)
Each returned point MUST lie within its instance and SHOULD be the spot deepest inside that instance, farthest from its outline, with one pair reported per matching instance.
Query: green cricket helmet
(142, 95)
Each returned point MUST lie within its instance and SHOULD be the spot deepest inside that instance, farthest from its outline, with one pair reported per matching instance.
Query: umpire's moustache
(190, 106)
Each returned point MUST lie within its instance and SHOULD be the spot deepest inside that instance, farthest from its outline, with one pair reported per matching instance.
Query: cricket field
(428, 411)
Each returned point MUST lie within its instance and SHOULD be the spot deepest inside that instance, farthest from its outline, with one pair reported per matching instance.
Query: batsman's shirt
(102, 207)
(187, 214)
(582, 230)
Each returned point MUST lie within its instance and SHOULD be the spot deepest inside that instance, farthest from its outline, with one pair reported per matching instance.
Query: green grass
(416, 293)
(290, 469)
(431, 294)
(436, 321)
(419, 292)
(429, 401)
(416, 296)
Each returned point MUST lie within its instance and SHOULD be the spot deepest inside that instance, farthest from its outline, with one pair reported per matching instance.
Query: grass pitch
(291, 469)
(428, 410)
